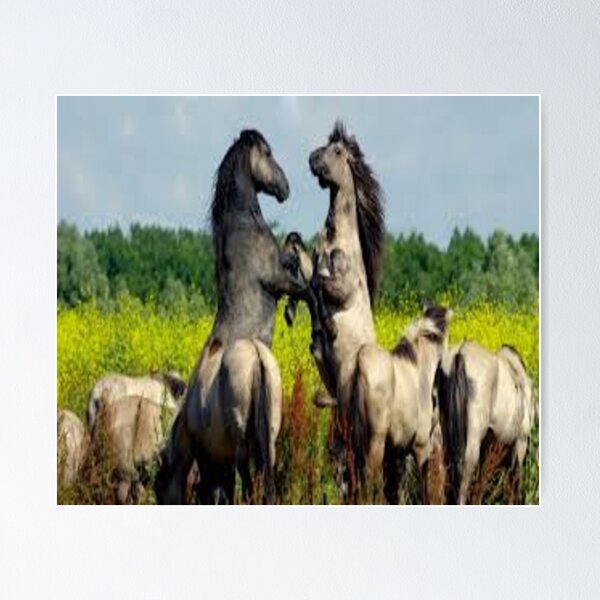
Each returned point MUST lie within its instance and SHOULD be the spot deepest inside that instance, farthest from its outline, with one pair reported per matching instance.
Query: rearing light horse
(232, 410)
(353, 238)
(383, 400)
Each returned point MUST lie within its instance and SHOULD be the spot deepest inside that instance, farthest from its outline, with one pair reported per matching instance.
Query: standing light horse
(481, 391)
(232, 410)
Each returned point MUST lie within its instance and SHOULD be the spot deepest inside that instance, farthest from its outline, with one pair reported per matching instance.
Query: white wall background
(123, 47)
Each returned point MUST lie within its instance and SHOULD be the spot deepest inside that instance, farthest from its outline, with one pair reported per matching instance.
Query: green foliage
(156, 262)
(176, 267)
(79, 276)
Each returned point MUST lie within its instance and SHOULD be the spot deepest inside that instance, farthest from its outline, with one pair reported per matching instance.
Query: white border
(550, 552)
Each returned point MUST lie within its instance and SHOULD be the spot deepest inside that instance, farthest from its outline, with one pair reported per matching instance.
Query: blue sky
(443, 162)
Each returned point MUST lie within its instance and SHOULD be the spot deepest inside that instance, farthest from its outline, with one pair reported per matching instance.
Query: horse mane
(224, 187)
(439, 315)
(405, 350)
(433, 325)
(369, 208)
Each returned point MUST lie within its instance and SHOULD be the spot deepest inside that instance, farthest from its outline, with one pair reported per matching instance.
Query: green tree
(413, 269)
(509, 275)
(79, 275)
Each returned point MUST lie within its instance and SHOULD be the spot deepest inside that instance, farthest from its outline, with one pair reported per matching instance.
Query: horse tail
(359, 426)
(453, 398)
(261, 398)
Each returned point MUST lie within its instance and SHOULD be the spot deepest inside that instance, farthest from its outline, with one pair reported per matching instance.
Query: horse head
(330, 164)
(267, 175)
(341, 166)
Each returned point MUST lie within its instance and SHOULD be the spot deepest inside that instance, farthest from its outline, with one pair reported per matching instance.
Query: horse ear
(425, 304)
(449, 314)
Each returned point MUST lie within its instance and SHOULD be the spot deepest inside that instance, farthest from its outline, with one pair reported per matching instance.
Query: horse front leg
(393, 467)
(421, 456)
(371, 480)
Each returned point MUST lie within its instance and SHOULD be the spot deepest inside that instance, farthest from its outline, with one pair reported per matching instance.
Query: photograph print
(298, 299)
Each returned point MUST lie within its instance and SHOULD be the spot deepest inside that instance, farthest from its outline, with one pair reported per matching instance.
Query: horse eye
(267, 152)
(338, 150)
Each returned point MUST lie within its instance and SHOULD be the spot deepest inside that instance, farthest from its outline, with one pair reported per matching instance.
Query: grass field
(134, 338)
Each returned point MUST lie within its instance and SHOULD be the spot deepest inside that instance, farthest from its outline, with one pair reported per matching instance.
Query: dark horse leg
(176, 461)
(393, 467)
(226, 481)
(217, 482)
(424, 476)
(321, 339)
(243, 466)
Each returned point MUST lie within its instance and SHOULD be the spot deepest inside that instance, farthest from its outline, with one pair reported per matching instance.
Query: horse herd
(385, 405)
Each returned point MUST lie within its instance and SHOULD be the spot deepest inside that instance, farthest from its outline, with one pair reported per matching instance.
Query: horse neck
(342, 221)
(243, 210)
(427, 361)
(241, 305)
(244, 199)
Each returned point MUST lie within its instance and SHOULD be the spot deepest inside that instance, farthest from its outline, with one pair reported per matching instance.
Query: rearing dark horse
(232, 410)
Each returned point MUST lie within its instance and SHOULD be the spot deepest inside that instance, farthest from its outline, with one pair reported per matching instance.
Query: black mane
(438, 314)
(369, 208)
(404, 349)
(224, 186)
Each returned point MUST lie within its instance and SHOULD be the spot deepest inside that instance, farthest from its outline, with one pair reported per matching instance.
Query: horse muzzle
(283, 192)
(281, 187)
(316, 163)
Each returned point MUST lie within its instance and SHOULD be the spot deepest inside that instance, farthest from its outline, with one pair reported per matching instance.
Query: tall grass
(137, 338)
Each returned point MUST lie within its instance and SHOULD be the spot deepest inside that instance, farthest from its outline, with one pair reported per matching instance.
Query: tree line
(175, 267)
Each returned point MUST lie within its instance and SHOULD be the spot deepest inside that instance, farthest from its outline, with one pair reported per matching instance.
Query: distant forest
(174, 268)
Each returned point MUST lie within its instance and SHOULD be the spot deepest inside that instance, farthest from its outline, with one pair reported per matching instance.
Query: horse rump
(356, 432)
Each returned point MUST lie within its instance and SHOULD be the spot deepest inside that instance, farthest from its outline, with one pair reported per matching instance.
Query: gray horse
(232, 411)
